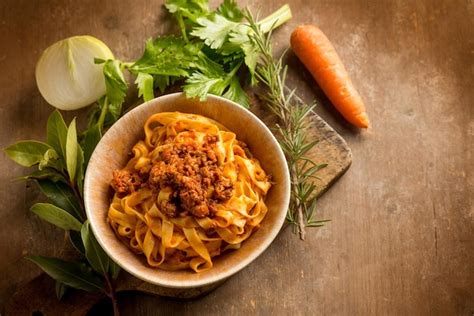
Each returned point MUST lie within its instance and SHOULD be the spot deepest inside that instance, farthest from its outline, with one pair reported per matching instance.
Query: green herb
(212, 49)
(45, 173)
(72, 273)
(56, 216)
(214, 30)
(56, 130)
(116, 86)
(61, 195)
(230, 11)
(145, 86)
(76, 241)
(94, 253)
(27, 152)
(60, 289)
(91, 138)
(292, 131)
(61, 165)
(71, 150)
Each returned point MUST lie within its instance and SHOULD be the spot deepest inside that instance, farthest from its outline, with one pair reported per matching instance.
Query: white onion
(66, 74)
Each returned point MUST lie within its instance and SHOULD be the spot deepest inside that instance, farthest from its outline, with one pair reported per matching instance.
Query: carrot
(319, 56)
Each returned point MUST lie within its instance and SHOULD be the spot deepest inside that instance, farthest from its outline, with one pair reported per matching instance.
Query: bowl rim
(255, 253)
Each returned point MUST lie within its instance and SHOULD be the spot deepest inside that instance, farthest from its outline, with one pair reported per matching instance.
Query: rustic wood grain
(401, 236)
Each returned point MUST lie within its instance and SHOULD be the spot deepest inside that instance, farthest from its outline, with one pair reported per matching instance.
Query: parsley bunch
(209, 57)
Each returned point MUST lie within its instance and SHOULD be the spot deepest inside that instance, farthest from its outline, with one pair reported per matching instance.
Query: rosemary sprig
(292, 129)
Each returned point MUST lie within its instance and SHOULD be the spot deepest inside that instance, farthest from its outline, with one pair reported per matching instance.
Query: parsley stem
(233, 71)
(182, 26)
(103, 112)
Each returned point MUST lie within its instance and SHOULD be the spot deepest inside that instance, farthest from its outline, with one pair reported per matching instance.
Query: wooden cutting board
(38, 295)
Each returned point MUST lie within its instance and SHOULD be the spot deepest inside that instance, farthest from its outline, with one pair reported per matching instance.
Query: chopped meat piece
(169, 208)
(193, 172)
(193, 197)
(125, 182)
(223, 189)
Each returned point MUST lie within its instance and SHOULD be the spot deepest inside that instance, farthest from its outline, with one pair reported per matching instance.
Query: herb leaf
(61, 195)
(214, 31)
(191, 9)
(236, 93)
(96, 256)
(71, 150)
(80, 170)
(50, 159)
(116, 86)
(91, 138)
(161, 82)
(76, 241)
(145, 86)
(167, 55)
(200, 85)
(45, 173)
(56, 133)
(27, 152)
(215, 81)
(230, 11)
(74, 274)
(60, 289)
(56, 216)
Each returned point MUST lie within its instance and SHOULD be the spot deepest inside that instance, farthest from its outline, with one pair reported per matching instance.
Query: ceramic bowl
(112, 153)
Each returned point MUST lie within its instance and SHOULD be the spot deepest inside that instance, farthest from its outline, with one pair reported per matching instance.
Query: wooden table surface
(401, 240)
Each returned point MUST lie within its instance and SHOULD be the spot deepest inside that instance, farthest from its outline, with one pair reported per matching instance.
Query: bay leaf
(96, 256)
(45, 173)
(61, 195)
(91, 138)
(76, 240)
(71, 150)
(80, 169)
(60, 289)
(27, 152)
(56, 133)
(71, 273)
(56, 216)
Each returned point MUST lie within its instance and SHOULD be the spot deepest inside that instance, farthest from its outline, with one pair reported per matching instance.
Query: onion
(66, 74)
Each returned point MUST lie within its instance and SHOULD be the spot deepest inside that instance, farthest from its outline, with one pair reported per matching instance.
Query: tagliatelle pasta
(190, 192)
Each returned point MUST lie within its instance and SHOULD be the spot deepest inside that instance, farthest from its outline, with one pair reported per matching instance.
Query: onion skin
(66, 74)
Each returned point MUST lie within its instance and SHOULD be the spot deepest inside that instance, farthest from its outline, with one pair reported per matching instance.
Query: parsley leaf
(212, 79)
(161, 82)
(116, 87)
(214, 30)
(236, 93)
(191, 9)
(230, 11)
(200, 85)
(145, 86)
(168, 55)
